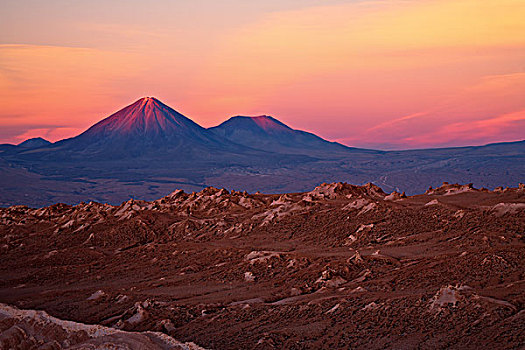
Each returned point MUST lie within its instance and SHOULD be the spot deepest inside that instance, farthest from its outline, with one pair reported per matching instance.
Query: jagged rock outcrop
(338, 266)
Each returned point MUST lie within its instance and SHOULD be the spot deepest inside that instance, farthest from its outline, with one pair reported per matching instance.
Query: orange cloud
(359, 35)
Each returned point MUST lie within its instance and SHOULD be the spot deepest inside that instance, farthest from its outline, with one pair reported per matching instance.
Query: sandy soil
(341, 266)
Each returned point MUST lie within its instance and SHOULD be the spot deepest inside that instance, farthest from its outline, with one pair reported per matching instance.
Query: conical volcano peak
(262, 123)
(148, 102)
(147, 118)
(147, 126)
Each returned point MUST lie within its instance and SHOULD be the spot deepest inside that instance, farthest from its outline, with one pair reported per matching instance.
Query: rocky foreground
(341, 266)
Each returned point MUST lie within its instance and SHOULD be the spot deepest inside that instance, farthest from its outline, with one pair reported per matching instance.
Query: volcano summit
(147, 118)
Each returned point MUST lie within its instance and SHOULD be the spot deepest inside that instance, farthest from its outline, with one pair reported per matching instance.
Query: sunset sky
(381, 74)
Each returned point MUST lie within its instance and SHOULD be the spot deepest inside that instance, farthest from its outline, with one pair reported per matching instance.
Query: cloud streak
(491, 110)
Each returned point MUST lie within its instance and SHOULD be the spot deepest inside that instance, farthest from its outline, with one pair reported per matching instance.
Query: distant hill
(268, 133)
(35, 142)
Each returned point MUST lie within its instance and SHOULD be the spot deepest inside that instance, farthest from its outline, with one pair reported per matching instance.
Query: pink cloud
(507, 126)
(491, 110)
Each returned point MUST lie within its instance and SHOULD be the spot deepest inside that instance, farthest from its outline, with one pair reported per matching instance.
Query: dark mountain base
(36, 183)
(339, 267)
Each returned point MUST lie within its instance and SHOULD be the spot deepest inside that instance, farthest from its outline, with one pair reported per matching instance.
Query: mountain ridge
(147, 149)
(144, 117)
(149, 105)
(271, 134)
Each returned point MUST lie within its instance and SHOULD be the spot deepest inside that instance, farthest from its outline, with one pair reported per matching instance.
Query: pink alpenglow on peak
(146, 117)
(147, 125)
(268, 123)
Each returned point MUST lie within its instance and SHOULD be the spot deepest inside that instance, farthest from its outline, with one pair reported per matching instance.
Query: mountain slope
(146, 126)
(265, 132)
(147, 118)
(35, 142)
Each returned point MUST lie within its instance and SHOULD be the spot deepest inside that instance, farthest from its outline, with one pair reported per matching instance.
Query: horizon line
(388, 149)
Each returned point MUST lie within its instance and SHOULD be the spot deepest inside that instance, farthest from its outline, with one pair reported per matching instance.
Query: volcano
(147, 118)
(268, 133)
(147, 127)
